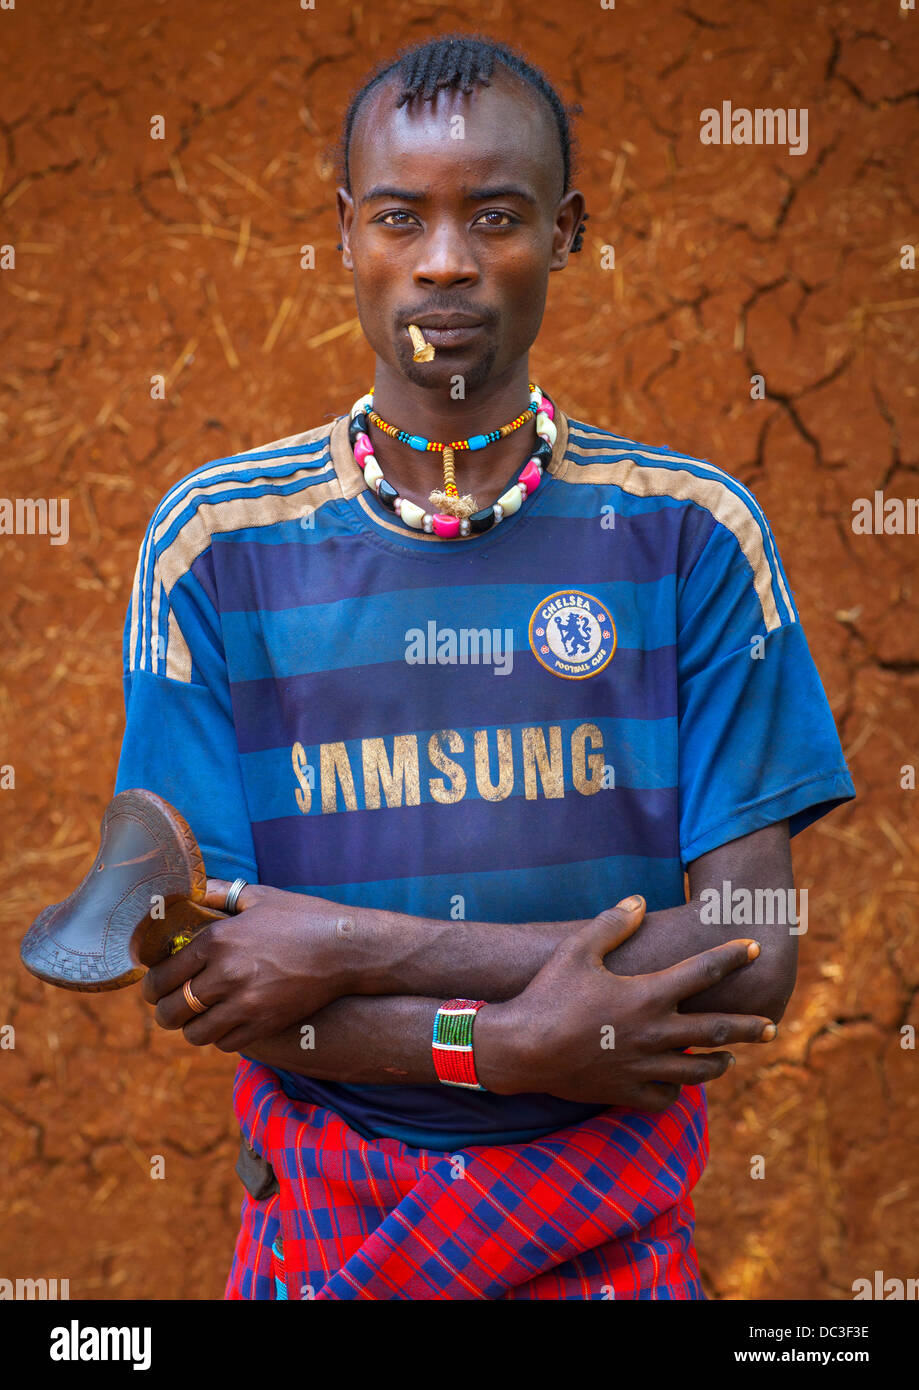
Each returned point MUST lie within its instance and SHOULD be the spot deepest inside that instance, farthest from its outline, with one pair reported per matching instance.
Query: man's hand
(581, 1033)
(259, 971)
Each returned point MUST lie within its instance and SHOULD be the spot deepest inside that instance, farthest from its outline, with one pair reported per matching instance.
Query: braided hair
(459, 61)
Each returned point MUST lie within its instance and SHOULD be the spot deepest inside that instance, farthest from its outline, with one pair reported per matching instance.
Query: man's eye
(492, 212)
(496, 212)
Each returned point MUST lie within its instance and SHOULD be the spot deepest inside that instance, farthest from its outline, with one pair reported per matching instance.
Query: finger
(172, 973)
(714, 1030)
(696, 973)
(174, 1010)
(690, 1069)
(238, 1039)
(655, 1096)
(216, 895)
(217, 890)
(608, 930)
(213, 1025)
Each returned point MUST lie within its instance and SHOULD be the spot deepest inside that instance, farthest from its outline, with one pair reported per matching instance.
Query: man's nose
(446, 255)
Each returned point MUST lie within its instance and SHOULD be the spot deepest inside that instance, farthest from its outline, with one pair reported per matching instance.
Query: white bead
(464, 526)
(428, 522)
(397, 506)
(523, 489)
(372, 471)
(364, 403)
(510, 501)
(498, 511)
(545, 427)
(411, 513)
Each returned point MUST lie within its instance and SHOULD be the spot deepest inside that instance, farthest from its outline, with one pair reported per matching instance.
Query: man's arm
(375, 1040)
(400, 1028)
(578, 1031)
(759, 861)
(287, 955)
(421, 956)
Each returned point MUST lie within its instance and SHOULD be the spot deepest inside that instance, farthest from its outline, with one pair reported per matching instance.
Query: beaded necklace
(458, 515)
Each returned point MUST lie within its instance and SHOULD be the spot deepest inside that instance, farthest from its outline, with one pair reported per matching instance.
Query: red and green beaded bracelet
(451, 1045)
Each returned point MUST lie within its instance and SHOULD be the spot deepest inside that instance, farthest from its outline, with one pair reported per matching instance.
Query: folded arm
(373, 980)
(367, 951)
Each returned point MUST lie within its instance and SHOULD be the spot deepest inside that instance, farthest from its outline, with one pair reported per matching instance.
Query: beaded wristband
(451, 1045)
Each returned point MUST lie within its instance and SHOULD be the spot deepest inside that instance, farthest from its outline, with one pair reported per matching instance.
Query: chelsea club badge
(572, 634)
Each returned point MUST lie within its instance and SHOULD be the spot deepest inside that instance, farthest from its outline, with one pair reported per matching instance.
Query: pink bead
(362, 447)
(547, 406)
(530, 477)
(447, 526)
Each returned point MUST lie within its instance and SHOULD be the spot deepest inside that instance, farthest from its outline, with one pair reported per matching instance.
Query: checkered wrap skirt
(598, 1210)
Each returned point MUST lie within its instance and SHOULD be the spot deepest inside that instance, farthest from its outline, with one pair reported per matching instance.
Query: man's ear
(345, 204)
(568, 221)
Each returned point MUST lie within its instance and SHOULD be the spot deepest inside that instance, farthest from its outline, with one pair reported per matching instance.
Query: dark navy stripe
(636, 685)
(202, 571)
(556, 553)
(412, 841)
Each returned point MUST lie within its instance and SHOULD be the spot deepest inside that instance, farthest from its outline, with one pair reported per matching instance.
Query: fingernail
(753, 950)
(769, 1032)
(631, 903)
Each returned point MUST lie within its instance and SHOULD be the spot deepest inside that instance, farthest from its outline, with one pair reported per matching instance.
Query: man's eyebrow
(473, 195)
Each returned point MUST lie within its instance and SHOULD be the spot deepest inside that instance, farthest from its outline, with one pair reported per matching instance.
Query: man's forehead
(504, 130)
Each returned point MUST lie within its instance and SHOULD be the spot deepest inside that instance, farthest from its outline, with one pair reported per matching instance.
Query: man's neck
(484, 473)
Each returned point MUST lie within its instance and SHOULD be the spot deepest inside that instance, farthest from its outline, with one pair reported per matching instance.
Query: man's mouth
(451, 337)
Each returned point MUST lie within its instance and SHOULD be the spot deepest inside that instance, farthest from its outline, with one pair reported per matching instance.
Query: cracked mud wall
(181, 257)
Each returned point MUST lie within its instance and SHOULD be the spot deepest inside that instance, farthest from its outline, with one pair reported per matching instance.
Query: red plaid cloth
(598, 1210)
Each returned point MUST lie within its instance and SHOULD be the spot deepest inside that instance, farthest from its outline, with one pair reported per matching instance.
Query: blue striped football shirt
(525, 725)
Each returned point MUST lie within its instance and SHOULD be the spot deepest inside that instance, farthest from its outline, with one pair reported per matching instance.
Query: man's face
(447, 248)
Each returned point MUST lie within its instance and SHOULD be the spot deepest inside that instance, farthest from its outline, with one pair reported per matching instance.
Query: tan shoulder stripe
(653, 479)
(187, 545)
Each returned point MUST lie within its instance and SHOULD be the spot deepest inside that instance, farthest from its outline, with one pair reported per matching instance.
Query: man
(421, 815)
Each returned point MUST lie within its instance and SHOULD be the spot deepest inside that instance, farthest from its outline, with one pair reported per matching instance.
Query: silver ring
(236, 887)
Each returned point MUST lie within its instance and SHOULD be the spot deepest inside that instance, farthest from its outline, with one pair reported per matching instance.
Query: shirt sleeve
(180, 739)
(757, 739)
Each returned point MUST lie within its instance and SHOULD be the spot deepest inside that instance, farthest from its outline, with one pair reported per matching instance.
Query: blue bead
(478, 441)
(416, 441)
